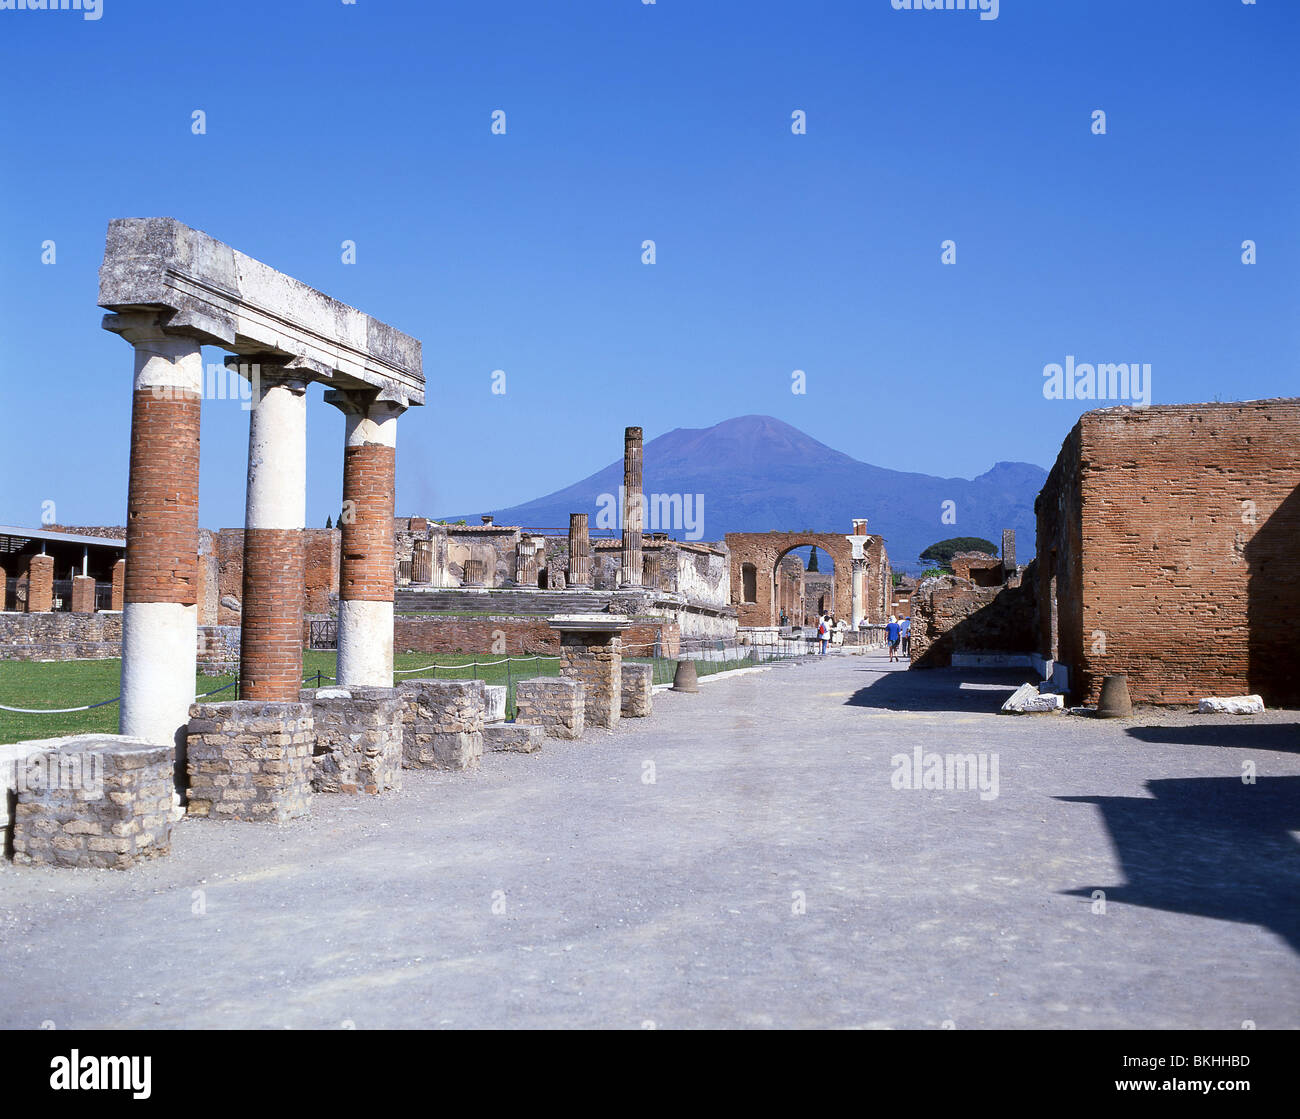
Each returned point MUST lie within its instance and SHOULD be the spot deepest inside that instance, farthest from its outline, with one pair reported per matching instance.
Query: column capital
(284, 370)
(156, 323)
(378, 404)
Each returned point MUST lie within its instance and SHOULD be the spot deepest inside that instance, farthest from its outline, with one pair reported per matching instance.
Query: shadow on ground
(1209, 846)
(1246, 736)
(943, 689)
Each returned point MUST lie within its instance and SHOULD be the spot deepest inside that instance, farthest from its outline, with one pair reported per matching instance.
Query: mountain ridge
(756, 473)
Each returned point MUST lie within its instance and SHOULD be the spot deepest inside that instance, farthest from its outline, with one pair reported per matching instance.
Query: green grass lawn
(50, 684)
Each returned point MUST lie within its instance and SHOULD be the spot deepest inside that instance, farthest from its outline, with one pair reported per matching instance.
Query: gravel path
(770, 875)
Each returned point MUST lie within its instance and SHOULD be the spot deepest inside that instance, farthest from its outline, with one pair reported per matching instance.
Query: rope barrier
(116, 698)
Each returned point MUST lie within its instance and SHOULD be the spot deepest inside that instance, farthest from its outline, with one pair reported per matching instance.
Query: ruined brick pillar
(160, 582)
(591, 654)
(1008, 552)
(83, 594)
(579, 573)
(367, 568)
(40, 585)
(633, 509)
(270, 646)
(119, 582)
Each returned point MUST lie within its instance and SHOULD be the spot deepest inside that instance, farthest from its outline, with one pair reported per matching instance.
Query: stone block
(442, 723)
(358, 739)
(557, 706)
(495, 703)
(513, 738)
(1028, 700)
(90, 800)
(250, 760)
(1231, 705)
(638, 690)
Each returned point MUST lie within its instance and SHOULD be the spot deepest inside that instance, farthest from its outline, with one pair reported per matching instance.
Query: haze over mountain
(757, 473)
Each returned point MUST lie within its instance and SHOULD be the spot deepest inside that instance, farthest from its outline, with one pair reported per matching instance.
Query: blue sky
(625, 121)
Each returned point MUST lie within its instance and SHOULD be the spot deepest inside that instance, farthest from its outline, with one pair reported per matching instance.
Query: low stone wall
(93, 800)
(60, 636)
(638, 690)
(557, 706)
(442, 723)
(249, 760)
(358, 739)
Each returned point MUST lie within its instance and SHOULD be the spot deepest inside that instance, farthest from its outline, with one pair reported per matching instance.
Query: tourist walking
(823, 632)
(905, 633)
(892, 632)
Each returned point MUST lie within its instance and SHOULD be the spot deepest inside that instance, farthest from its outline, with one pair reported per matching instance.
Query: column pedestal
(591, 654)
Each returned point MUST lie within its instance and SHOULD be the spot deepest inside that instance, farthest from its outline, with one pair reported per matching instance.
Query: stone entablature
(225, 298)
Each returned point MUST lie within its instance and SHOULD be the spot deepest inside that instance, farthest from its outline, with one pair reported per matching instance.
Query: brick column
(119, 582)
(633, 510)
(579, 572)
(4, 588)
(83, 594)
(368, 559)
(40, 585)
(159, 615)
(270, 647)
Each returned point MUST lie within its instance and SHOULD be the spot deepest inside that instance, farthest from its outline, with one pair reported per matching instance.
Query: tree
(944, 550)
(329, 522)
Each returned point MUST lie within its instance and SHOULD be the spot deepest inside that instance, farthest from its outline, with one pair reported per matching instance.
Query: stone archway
(765, 550)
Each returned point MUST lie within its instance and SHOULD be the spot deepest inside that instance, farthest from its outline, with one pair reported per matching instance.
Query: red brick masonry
(270, 662)
(162, 514)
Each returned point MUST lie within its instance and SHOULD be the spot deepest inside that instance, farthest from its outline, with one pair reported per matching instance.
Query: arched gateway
(755, 563)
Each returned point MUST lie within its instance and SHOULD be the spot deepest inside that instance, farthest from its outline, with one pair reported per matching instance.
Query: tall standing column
(579, 573)
(859, 586)
(270, 646)
(160, 587)
(367, 569)
(633, 509)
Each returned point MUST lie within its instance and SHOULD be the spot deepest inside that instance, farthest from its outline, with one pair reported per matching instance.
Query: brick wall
(513, 636)
(60, 637)
(321, 547)
(1176, 532)
(953, 615)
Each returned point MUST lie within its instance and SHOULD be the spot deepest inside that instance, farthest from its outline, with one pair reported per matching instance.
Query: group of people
(830, 631)
(899, 633)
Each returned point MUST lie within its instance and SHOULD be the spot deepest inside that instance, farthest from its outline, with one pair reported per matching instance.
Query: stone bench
(638, 690)
(358, 739)
(249, 760)
(513, 738)
(442, 723)
(557, 706)
(92, 800)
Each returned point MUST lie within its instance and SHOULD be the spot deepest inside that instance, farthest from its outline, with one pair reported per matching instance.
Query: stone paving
(772, 875)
